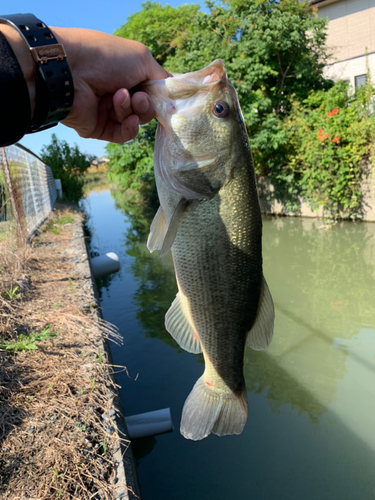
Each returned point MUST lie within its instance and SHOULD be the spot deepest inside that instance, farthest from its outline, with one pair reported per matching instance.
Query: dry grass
(56, 432)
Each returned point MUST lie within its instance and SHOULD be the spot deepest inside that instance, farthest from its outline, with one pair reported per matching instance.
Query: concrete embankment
(270, 205)
(126, 477)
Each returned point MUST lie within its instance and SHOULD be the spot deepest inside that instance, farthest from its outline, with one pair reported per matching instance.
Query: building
(351, 35)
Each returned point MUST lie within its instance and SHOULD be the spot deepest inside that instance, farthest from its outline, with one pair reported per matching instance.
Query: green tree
(69, 164)
(274, 52)
(131, 165)
(159, 28)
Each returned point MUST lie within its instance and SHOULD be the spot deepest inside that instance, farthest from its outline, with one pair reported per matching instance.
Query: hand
(104, 68)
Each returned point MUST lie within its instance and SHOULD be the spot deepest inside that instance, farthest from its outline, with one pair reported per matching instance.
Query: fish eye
(220, 109)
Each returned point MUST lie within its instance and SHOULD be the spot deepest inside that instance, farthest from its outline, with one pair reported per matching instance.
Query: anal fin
(179, 327)
(260, 335)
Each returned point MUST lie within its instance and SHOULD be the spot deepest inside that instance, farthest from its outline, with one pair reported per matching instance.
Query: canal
(311, 432)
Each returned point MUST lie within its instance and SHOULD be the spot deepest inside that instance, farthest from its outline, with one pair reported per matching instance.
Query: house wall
(349, 30)
(350, 34)
(349, 69)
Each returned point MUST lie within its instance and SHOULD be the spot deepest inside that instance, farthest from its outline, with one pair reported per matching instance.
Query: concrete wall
(269, 205)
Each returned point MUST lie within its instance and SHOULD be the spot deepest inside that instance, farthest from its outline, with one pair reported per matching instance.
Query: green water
(311, 428)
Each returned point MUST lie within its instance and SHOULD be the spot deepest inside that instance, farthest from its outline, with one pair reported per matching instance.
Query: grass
(53, 224)
(11, 293)
(29, 342)
(66, 219)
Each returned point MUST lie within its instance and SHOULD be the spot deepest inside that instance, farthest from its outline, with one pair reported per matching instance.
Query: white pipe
(149, 424)
(105, 264)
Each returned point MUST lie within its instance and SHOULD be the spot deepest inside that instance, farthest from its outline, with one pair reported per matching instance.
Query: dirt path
(58, 426)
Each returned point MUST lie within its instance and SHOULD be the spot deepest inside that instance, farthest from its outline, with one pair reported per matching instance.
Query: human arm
(104, 68)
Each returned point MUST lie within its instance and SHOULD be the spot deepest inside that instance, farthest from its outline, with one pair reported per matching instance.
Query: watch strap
(54, 82)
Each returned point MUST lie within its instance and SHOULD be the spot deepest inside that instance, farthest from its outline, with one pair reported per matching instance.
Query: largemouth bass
(209, 217)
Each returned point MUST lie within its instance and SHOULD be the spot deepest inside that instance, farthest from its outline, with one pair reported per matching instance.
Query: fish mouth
(213, 73)
(173, 94)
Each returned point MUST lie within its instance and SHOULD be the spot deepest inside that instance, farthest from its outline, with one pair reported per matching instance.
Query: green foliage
(29, 342)
(69, 164)
(52, 224)
(65, 219)
(131, 164)
(161, 29)
(12, 293)
(330, 142)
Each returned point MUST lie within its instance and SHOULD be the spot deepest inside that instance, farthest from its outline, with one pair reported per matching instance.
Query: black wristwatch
(54, 82)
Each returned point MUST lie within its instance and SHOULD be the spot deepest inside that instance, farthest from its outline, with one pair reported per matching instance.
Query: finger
(120, 132)
(143, 107)
(122, 105)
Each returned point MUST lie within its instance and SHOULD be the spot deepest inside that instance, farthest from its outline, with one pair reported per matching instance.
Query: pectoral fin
(161, 235)
(158, 230)
(261, 333)
(173, 226)
(179, 327)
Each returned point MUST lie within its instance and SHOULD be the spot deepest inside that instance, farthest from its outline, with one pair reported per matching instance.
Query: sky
(101, 15)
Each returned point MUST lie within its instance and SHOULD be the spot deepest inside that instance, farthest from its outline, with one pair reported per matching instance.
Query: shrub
(329, 145)
(69, 164)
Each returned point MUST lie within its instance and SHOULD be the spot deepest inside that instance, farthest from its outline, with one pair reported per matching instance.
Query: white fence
(31, 187)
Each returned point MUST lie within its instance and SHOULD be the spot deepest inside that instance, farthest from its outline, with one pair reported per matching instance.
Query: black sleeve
(14, 97)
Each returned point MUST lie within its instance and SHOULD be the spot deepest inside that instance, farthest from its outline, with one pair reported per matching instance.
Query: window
(360, 80)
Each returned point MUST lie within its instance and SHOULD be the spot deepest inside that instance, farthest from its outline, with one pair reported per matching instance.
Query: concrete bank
(126, 477)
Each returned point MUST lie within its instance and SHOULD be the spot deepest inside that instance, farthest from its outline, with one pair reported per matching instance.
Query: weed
(81, 427)
(71, 287)
(100, 360)
(11, 293)
(104, 446)
(29, 342)
(93, 386)
(57, 475)
(65, 219)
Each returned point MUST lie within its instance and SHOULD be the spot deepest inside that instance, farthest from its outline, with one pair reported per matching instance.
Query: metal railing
(30, 186)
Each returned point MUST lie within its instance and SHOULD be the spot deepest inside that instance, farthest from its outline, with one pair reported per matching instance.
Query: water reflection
(322, 281)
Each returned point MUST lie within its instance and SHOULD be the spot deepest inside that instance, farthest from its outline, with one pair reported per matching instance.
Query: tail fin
(206, 411)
